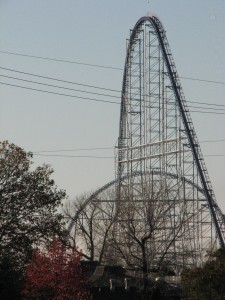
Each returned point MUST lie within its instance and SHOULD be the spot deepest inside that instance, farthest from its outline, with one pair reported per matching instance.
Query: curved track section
(112, 183)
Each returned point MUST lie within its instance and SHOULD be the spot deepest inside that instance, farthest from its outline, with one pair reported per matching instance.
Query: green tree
(207, 282)
(29, 204)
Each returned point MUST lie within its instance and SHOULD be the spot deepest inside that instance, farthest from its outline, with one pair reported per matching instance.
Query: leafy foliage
(55, 274)
(206, 282)
(29, 203)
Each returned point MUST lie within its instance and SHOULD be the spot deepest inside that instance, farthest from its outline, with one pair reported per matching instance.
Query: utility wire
(100, 66)
(60, 94)
(101, 148)
(93, 99)
(72, 150)
(77, 156)
(59, 87)
(60, 80)
(205, 103)
(207, 112)
(102, 157)
(62, 60)
(215, 155)
(200, 107)
(104, 148)
(92, 86)
(213, 141)
(203, 80)
(94, 93)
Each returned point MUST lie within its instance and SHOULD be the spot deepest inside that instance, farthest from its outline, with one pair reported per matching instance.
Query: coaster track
(216, 213)
(157, 142)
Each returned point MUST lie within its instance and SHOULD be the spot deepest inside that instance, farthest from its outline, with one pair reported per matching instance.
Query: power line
(72, 150)
(102, 157)
(102, 148)
(200, 107)
(213, 141)
(60, 80)
(203, 80)
(56, 86)
(206, 112)
(77, 156)
(92, 86)
(61, 60)
(205, 103)
(94, 93)
(215, 155)
(59, 94)
(99, 66)
(59, 87)
(91, 99)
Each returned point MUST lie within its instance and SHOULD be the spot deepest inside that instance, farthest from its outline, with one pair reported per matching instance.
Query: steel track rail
(111, 183)
(218, 219)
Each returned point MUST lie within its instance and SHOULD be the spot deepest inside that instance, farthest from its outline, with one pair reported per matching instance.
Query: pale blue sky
(95, 32)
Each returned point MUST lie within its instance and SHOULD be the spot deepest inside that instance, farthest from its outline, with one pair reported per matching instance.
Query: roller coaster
(160, 168)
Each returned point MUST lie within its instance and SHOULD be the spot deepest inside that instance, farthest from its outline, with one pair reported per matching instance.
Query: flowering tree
(55, 274)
